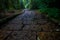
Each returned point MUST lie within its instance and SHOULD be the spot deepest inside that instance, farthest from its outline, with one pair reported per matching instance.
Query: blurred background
(50, 8)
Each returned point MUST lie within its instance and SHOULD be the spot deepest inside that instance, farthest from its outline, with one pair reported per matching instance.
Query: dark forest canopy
(52, 7)
(34, 4)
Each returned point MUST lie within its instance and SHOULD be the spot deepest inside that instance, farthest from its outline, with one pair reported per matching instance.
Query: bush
(48, 6)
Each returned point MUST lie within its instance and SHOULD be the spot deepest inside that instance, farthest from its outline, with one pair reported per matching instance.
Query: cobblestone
(24, 26)
(22, 35)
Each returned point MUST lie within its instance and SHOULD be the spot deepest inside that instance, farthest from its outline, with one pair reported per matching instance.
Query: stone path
(23, 27)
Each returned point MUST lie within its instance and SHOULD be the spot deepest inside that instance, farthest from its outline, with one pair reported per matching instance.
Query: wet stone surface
(22, 35)
(24, 26)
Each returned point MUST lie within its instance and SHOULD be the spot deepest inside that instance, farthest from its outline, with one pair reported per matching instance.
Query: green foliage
(53, 12)
(45, 6)
(48, 6)
(11, 4)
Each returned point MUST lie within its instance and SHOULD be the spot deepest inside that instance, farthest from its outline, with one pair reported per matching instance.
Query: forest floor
(9, 13)
(26, 26)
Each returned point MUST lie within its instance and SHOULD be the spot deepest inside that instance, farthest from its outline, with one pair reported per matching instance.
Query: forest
(49, 7)
(10, 9)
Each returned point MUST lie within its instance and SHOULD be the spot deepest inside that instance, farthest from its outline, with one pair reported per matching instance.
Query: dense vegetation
(6, 5)
(51, 7)
(11, 4)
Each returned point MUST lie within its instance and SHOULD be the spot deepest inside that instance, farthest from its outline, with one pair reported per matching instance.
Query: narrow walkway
(23, 27)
